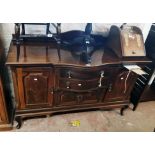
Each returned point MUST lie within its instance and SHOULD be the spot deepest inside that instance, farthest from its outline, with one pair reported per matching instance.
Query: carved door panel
(120, 87)
(36, 87)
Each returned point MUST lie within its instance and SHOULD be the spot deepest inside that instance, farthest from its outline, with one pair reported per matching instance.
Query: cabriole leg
(19, 120)
(122, 110)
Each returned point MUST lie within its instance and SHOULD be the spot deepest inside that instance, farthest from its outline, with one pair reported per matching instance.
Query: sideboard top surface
(37, 55)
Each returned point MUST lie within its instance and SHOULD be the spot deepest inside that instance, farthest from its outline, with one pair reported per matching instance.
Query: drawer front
(73, 84)
(82, 74)
(81, 79)
(69, 98)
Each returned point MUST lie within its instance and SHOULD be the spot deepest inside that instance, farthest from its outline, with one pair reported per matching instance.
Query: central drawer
(81, 79)
(82, 74)
(75, 84)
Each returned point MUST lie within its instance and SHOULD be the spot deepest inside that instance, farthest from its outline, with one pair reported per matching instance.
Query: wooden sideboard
(46, 83)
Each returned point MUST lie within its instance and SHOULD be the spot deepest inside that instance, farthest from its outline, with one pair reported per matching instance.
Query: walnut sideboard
(46, 83)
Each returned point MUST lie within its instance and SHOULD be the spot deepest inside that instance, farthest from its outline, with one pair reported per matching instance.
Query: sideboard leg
(48, 115)
(19, 120)
(122, 110)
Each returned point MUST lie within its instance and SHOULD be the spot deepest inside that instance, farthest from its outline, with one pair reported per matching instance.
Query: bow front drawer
(82, 74)
(83, 85)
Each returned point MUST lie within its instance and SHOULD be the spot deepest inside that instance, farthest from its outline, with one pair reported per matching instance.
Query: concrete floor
(143, 119)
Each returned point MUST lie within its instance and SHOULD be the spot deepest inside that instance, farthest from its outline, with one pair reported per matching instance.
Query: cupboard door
(121, 86)
(35, 87)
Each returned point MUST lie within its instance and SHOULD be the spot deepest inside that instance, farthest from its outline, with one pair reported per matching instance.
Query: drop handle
(67, 85)
(51, 91)
(79, 98)
(79, 84)
(101, 77)
(110, 87)
(69, 74)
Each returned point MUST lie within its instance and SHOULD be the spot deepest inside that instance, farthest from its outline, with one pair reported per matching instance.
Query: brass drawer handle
(110, 87)
(79, 98)
(101, 77)
(69, 74)
(67, 85)
(79, 84)
(35, 79)
(51, 91)
(122, 78)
